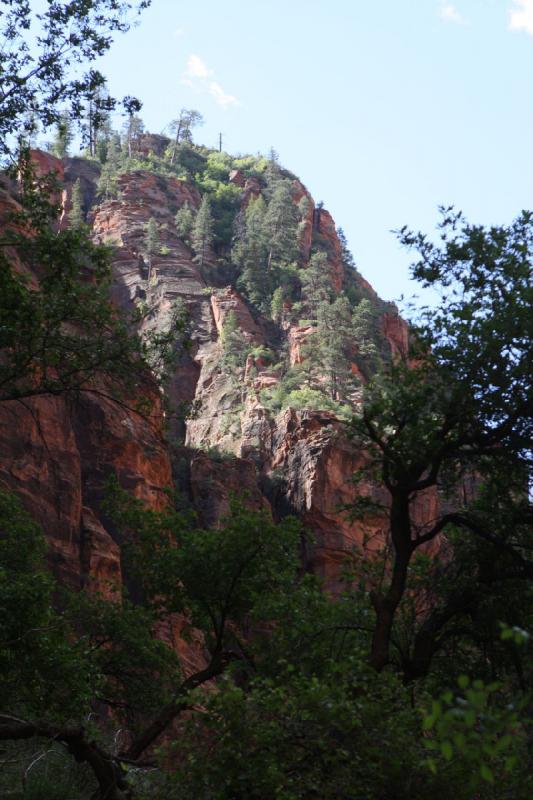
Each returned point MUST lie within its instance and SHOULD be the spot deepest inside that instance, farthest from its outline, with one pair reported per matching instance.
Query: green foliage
(276, 304)
(42, 770)
(250, 166)
(251, 253)
(43, 73)
(472, 727)
(152, 242)
(218, 166)
(76, 217)
(182, 128)
(111, 166)
(365, 334)
(224, 200)
(132, 131)
(458, 410)
(220, 576)
(280, 225)
(39, 667)
(184, 221)
(316, 282)
(202, 231)
(61, 335)
(188, 161)
(262, 352)
(289, 393)
(300, 736)
(63, 136)
(234, 346)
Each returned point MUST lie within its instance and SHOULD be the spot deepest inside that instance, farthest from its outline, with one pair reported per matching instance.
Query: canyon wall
(58, 452)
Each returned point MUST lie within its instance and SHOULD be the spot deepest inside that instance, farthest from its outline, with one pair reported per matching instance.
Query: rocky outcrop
(396, 332)
(215, 482)
(62, 451)
(58, 453)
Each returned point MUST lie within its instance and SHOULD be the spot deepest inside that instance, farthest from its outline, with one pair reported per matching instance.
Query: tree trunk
(386, 604)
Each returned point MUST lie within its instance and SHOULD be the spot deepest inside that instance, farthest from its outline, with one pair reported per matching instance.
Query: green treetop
(332, 343)
(202, 231)
(364, 335)
(182, 128)
(280, 225)
(184, 221)
(316, 282)
(63, 136)
(132, 131)
(251, 252)
(76, 216)
(152, 244)
(108, 180)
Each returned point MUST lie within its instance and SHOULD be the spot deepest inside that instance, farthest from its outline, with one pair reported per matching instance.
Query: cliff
(284, 456)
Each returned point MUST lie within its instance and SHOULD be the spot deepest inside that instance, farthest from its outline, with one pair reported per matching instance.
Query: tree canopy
(43, 58)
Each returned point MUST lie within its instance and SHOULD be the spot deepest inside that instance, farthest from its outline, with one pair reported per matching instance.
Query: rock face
(58, 452)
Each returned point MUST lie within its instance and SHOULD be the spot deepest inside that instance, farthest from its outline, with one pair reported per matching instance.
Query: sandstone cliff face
(59, 452)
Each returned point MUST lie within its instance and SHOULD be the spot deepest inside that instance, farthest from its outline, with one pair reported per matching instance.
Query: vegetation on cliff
(216, 664)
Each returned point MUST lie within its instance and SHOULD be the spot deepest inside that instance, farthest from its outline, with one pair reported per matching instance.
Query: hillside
(249, 407)
(265, 563)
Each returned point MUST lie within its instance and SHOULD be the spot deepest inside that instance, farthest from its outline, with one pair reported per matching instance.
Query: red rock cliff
(58, 452)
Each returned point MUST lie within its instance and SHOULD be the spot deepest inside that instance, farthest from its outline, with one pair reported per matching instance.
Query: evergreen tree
(303, 210)
(202, 231)
(232, 341)
(152, 245)
(184, 220)
(29, 129)
(63, 136)
(76, 216)
(280, 226)
(330, 345)
(98, 126)
(41, 77)
(347, 256)
(251, 254)
(365, 334)
(182, 128)
(316, 282)
(133, 130)
(276, 305)
(108, 181)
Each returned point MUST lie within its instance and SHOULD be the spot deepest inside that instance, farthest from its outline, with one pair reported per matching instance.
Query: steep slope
(243, 431)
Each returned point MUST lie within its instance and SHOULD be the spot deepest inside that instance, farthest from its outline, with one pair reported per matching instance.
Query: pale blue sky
(384, 109)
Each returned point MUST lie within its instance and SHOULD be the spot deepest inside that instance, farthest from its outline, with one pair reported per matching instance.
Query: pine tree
(108, 181)
(152, 244)
(251, 253)
(276, 305)
(364, 333)
(303, 210)
(272, 174)
(133, 130)
(232, 341)
(202, 231)
(280, 227)
(76, 216)
(316, 284)
(182, 127)
(184, 221)
(63, 136)
(347, 256)
(333, 339)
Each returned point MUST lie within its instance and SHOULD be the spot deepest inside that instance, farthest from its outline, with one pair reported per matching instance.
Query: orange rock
(396, 332)
(229, 300)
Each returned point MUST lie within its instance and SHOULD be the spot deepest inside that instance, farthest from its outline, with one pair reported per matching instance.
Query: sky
(385, 109)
